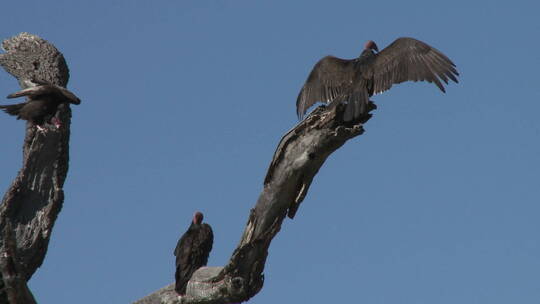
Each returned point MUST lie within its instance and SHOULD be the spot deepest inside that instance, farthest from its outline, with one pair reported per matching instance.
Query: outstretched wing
(47, 89)
(409, 59)
(34, 91)
(329, 80)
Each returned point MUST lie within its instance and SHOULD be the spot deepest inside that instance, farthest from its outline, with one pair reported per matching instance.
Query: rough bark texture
(34, 199)
(298, 157)
(15, 288)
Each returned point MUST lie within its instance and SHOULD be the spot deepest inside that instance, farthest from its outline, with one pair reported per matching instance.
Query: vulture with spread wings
(335, 80)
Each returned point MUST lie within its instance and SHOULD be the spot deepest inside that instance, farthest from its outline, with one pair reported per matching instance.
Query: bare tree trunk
(34, 199)
(298, 157)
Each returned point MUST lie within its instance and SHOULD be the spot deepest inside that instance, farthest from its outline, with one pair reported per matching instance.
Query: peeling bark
(34, 199)
(298, 157)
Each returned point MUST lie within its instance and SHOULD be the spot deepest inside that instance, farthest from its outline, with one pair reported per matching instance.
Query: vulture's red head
(198, 218)
(370, 45)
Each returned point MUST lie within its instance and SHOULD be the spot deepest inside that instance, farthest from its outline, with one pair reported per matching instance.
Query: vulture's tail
(13, 109)
(356, 105)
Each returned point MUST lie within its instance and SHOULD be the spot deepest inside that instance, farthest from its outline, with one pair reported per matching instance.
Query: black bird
(43, 101)
(192, 251)
(335, 80)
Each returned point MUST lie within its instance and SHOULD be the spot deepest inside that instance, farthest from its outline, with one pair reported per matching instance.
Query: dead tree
(33, 201)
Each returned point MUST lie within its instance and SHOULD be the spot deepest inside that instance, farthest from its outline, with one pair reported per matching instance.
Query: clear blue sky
(183, 103)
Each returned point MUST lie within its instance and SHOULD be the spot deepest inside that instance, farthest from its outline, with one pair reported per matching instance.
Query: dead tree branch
(298, 157)
(34, 199)
(16, 290)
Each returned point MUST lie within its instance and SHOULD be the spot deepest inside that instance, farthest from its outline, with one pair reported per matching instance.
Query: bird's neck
(366, 55)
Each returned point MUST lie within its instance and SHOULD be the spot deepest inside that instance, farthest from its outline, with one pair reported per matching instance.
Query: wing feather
(47, 89)
(327, 82)
(33, 91)
(206, 241)
(408, 59)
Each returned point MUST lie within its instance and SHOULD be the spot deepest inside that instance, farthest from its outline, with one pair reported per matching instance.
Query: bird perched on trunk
(192, 251)
(336, 80)
(42, 103)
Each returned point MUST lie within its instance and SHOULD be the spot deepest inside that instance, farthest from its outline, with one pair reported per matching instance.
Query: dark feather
(37, 111)
(327, 82)
(42, 103)
(191, 253)
(13, 109)
(60, 93)
(354, 81)
(409, 59)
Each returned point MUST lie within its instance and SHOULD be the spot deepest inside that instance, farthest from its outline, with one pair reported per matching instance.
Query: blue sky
(183, 103)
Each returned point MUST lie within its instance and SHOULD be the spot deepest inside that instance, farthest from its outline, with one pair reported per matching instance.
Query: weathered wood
(34, 199)
(298, 157)
(15, 288)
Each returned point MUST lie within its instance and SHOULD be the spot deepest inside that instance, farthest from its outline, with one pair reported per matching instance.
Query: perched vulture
(43, 101)
(335, 80)
(192, 251)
